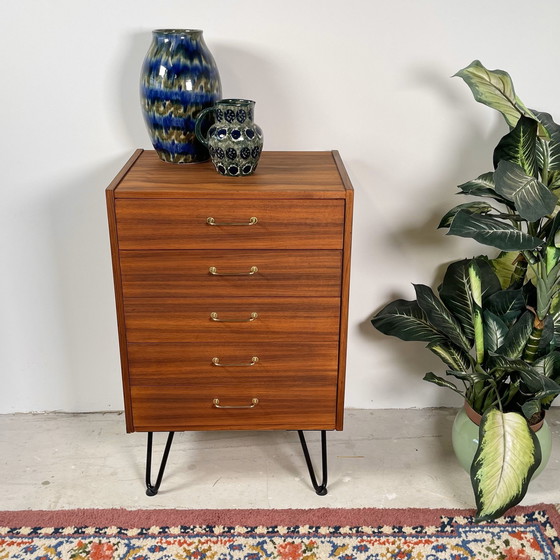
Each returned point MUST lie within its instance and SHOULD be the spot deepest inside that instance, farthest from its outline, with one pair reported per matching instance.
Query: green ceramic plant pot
(464, 437)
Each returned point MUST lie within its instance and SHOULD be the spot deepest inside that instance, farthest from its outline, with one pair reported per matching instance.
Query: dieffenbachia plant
(520, 213)
(481, 332)
(496, 323)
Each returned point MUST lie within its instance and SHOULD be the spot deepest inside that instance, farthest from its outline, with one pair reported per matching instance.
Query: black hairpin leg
(320, 489)
(152, 489)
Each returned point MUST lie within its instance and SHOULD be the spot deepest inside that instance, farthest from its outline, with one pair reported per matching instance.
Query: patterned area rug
(345, 534)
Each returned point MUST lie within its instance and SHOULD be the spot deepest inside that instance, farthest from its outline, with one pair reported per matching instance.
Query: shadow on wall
(468, 157)
(247, 75)
(128, 87)
(410, 361)
(81, 259)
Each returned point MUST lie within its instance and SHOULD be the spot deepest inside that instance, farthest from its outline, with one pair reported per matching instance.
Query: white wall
(369, 78)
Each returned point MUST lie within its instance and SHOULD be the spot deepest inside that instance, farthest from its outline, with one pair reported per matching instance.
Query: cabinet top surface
(286, 174)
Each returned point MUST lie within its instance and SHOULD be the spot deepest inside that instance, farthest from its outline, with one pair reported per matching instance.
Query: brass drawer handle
(254, 402)
(214, 317)
(254, 360)
(252, 221)
(214, 272)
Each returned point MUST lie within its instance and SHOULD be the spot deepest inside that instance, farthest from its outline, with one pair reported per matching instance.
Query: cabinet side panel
(117, 279)
(345, 292)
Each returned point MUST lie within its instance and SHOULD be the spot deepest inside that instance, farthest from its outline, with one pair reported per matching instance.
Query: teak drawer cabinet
(232, 294)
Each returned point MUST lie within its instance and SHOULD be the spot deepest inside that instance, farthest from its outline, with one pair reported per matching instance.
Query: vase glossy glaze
(465, 433)
(234, 140)
(179, 79)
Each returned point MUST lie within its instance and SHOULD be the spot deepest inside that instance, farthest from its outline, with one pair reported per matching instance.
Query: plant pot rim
(476, 417)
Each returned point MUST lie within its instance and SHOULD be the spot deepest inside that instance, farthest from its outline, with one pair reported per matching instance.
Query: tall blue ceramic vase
(179, 79)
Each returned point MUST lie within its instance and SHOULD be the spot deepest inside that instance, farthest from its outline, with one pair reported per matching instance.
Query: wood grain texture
(279, 175)
(345, 292)
(186, 273)
(188, 320)
(182, 224)
(162, 248)
(312, 364)
(117, 280)
(281, 406)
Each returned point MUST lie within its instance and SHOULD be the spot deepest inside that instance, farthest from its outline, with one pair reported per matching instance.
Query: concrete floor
(383, 458)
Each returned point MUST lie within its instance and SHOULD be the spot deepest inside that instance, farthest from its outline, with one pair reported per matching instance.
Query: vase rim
(177, 31)
(477, 418)
(235, 102)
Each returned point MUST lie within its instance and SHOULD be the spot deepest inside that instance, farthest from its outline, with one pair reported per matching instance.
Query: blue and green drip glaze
(179, 79)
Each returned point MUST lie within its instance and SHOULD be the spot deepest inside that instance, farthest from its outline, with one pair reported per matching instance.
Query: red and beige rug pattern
(527, 533)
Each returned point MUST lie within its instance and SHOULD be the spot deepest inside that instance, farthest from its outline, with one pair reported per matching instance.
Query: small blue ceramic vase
(235, 142)
(179, 79)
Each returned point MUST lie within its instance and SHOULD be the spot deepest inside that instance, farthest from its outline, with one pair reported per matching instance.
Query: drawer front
(183, 224)
(231, 273)
(300, 365)
(281, 406)
(235, 320)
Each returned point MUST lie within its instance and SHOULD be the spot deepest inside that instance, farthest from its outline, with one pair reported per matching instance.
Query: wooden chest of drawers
(232, 293)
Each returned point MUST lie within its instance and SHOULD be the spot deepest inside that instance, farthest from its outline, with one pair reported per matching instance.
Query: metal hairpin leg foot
(152, 489)
(320, 489)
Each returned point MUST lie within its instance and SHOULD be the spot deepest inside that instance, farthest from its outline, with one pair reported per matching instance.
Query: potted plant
(496, 322)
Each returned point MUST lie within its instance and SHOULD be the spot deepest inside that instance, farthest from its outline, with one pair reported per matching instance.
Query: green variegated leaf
(510, 364)
(441, 382)
(546, 403)
(540, 385)
(548, 394)
(517, 337)
(549, 365)
(552, 258)
(494, 88)
(548, 152)
(530, 291)
(530, 408)
(455, 291)
(547, 288)
(471, 207)
(541, 400)
(532, 380)
(470, 376)
(504, 267)
(556, 321)
(476, 289)
(511, 269)
(507, 304)
(532, 199)
(451, 355)
(554, 181)
(520, 147)
(405, 320)
(440, 317)
(547, 336)
(495, 331)
(555, 307)
(492, 231)
(547, 387)
(484, 182)
(550, 230)
(490, 283)
(507, 456)
(484, 186)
